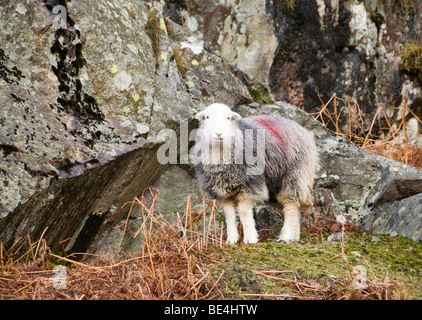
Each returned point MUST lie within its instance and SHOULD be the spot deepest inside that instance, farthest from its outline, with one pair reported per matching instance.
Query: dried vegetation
(166, 268)
(378, 135)
(189, 260)
(412, 57)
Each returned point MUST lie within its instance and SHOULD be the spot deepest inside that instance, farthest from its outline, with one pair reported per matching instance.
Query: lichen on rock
(81, 92)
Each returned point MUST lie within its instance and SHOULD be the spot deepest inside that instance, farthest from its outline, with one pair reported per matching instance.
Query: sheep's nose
(218, 136)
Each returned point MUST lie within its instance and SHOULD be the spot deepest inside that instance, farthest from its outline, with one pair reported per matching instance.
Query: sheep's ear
(235, 116)
(200, 116)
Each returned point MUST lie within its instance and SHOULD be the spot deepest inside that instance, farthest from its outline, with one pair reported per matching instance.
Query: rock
(236, 29)
(400, 217)
(357, 183)
(203, 73)
(337, 236)
(85, 207)
(357, 254)
(175, 185)
(85, 88)
(171, 191)
(341, 219)
(254, 105)
(307, 50)
(375, 239)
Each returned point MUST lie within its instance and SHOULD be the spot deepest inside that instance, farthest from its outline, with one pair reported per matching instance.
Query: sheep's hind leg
(246, 217)
(291, 228)
(230, 214)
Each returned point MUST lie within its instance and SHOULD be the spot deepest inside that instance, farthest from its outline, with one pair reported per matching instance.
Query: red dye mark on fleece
(270, 124)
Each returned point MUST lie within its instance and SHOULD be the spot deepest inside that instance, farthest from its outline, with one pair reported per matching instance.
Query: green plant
(261, 96)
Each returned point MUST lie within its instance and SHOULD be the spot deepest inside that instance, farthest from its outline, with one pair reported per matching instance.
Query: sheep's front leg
(246, 217)
(291, 228)
(230, 214)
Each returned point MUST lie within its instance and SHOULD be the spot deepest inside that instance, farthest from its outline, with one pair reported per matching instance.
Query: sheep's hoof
(232, 241)
(251, 240)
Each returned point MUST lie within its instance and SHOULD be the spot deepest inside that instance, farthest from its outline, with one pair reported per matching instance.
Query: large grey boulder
(399, 217)
(85, 88)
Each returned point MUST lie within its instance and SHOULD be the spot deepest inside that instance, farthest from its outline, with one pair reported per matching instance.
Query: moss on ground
(250, 271)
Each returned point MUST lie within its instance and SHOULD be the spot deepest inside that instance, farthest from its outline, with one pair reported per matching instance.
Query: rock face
(85, 87)
(237, 29)
(307, 50)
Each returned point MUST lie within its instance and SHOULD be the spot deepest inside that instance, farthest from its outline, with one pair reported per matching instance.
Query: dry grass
(290, 4)
(181, 63)
(412, 56)
(152, 29)
(166, 268)
(378, 135)
(335, 289)
(177, 261)
(317, 224)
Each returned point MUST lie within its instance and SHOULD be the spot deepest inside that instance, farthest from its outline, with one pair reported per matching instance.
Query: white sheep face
(217, 122)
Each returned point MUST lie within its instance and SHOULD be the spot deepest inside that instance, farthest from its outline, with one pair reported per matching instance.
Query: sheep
(281, 157)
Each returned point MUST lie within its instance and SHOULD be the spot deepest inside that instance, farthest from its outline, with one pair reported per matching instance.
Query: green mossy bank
(315, 265)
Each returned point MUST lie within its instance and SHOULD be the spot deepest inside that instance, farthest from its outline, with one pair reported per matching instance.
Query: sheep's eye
(207, 117)
(228, 118)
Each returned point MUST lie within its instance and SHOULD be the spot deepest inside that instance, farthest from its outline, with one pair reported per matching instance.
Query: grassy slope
(315, 267)
(173, 266)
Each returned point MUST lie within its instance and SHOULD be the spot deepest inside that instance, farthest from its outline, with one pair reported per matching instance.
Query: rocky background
(304, 51)
(87, 86)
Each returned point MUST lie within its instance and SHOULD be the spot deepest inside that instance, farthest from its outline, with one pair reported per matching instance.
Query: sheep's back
(290, 153)
(288, 149)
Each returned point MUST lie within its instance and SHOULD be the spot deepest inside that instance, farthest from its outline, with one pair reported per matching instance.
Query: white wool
(288, 146)
(217, 133)
(217, 121)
